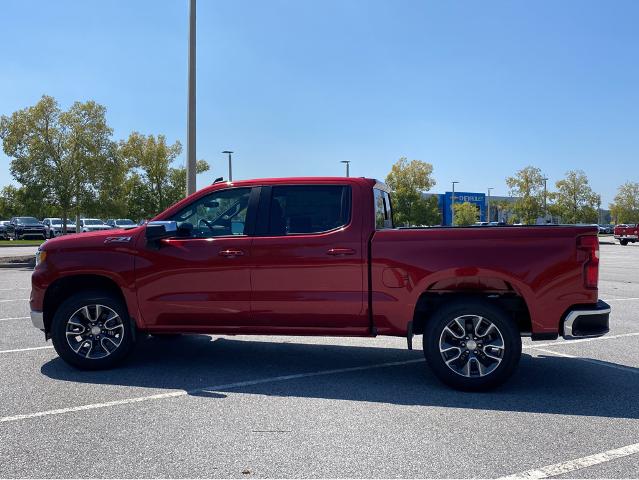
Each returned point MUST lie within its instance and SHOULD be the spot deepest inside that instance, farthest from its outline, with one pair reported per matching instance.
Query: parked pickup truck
(627, 233)
(319, 256)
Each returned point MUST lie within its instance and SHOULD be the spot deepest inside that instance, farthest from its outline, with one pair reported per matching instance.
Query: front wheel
(92, 330)
(472, 345)
(623, 242)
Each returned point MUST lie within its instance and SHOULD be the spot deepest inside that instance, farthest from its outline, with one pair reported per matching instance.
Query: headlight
(40, 257)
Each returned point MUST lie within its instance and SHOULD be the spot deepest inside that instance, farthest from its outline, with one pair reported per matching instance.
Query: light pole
(452, 206)
(348, 171)
(230, 165)
(545, 202)
(488, 206)
(190, 117)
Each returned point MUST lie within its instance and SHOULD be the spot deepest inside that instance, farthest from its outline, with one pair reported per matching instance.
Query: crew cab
(627, 233)
(319, 256)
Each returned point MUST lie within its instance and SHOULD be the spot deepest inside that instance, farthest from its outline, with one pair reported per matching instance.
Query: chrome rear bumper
(587, 322)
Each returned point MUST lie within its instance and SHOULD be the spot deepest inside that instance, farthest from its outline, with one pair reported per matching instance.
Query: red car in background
(627, 233)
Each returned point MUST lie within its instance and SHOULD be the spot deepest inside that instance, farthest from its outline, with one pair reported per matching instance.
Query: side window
(308, 209)
(218, 214)
(383, 212)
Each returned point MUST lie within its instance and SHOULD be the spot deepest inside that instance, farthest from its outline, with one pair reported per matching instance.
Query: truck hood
(102, 238)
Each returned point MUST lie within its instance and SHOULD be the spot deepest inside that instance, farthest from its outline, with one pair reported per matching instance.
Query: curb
(17, 261)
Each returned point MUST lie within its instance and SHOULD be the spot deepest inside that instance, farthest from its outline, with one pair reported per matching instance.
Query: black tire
(506, 331)
(623, 242)
(70, 308)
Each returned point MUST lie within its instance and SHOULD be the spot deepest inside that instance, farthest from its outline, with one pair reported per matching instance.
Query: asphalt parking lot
(203, 406)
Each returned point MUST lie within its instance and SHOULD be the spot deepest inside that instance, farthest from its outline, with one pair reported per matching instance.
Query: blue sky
(479, 89)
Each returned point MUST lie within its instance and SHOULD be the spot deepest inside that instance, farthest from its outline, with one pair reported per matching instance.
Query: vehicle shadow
(545, 384)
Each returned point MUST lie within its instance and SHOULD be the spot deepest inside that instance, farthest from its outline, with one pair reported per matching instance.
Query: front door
(202, 281)
(309, 263)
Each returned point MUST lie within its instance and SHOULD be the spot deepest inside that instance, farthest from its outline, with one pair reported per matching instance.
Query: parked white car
(124, 223)
(93, 225)
(53, 227)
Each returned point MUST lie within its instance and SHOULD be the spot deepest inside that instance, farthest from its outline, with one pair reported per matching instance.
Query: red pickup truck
(319, 256)
(627, 233)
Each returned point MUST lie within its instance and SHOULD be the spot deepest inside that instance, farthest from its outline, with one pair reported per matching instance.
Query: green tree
(574, 201)
(527, 185)
(625, 206)
(61, 154)
(408, 181)
(153, 183)
(465, 214)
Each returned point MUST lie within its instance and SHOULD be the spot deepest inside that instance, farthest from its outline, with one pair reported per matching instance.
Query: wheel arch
(513, 304)
(61, 289)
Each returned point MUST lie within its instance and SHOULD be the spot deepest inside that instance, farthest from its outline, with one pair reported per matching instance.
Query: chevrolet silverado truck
(319, 256)
(627, 233)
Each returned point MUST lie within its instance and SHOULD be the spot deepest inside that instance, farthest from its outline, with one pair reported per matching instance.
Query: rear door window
(383, 212)
(307, 209)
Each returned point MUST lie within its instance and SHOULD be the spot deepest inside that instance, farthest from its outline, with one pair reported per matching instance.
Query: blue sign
(478, 199)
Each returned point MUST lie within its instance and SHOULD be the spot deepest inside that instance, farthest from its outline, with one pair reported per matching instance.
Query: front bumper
(587, 321)
(37, 318)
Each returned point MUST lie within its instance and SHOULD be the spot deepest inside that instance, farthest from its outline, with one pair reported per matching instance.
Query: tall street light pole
(545, 179)
(488, 206)
(190, 121)
(230, 165)
(452, 206)
(348, 171)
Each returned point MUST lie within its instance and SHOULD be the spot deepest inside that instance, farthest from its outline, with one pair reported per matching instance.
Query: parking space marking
(14, 318)
(15, 300)
(590, 360)
(26, 349)
(14, 288)
(181, 393)
(576, 464)
(582, 340)
(622, 299)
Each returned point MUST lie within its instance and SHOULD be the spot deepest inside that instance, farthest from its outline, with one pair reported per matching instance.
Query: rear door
(309, 263)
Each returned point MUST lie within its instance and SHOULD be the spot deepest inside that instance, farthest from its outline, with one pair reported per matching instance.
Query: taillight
(590, 245)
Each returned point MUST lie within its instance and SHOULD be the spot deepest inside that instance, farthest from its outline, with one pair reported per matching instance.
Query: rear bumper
(586, 322)
(626, 237)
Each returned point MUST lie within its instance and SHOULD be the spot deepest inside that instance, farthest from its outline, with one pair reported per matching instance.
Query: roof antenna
(218, 180)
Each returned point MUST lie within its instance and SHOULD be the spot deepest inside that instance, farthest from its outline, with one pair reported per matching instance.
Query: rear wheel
(623, 242)
(472, 345)
(92, 330)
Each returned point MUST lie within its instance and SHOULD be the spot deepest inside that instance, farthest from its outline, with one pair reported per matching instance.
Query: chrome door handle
(340, 251)
(230, 253)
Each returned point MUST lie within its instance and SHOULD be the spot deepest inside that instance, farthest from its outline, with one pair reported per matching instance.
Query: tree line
(572, 200)
(67, 164)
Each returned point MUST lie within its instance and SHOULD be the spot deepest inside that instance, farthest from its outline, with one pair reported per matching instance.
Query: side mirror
(160, 229)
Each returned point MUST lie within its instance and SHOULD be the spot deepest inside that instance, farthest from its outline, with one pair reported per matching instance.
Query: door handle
(230, 253)
(340, 251)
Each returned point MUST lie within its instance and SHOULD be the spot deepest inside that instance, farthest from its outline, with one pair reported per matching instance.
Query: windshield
(26, 220)
(124, 221)
(93, 222)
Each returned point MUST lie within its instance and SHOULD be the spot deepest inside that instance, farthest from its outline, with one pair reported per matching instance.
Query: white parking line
(14, 288)
(181, 393)
(14, 318)
(26, 349)
(591, 360)
(581, 340)
(15, 300)
(622, 299)
(576, 464)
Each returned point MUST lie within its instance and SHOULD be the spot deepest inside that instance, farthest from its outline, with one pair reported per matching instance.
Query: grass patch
(20, 243)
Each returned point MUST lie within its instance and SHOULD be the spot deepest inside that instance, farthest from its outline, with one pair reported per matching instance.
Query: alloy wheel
(472, 346)
(94, 331)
